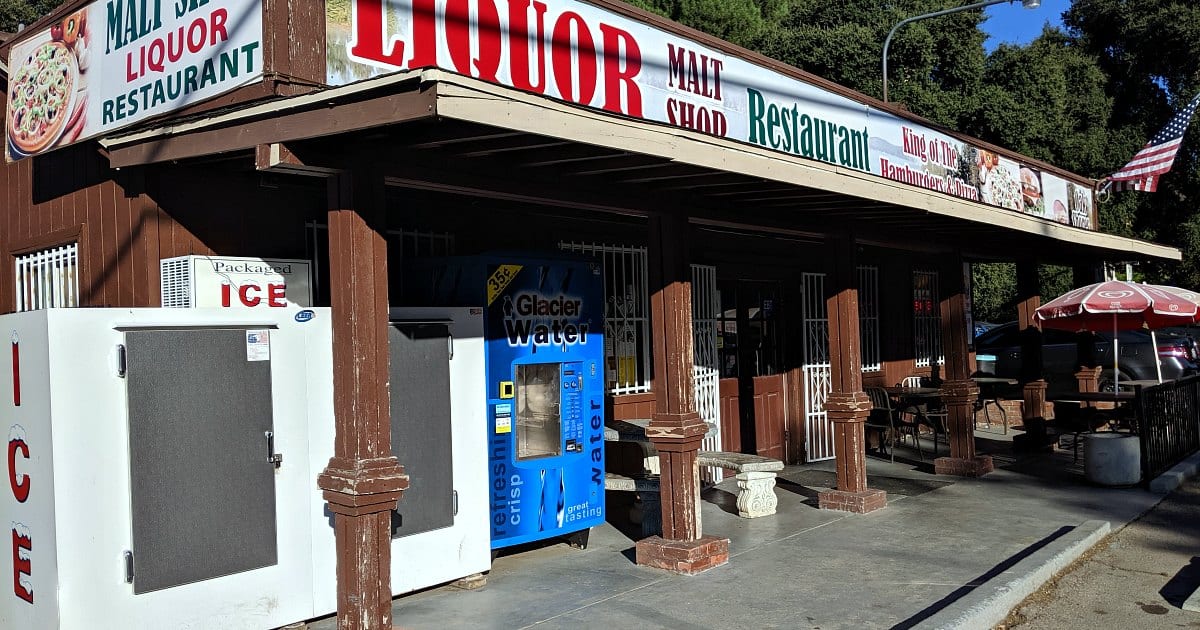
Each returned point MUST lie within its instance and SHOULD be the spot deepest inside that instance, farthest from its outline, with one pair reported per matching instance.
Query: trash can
(1112, 459)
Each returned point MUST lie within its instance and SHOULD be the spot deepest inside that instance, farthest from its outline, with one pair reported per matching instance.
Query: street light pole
(1028, 4)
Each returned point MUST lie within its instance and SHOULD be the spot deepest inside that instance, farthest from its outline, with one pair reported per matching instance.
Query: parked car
(982, 327)
(998, 351)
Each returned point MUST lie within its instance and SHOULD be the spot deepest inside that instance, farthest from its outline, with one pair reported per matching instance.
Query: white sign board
(113, 63)
(227, 282)
(583, 54)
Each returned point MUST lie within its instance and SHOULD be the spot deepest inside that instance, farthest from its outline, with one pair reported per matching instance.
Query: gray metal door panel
(203, 492)
(421, 435)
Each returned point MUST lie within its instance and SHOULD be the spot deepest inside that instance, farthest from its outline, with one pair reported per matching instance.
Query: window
(48, 278)
(927, 319)
(626, 315)
(868, 318)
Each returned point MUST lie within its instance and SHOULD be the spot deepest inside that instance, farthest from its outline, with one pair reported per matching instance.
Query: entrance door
(750, 348)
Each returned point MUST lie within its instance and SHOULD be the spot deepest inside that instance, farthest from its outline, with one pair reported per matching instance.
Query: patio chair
(936, 414)
(900, 423)
(882, 419)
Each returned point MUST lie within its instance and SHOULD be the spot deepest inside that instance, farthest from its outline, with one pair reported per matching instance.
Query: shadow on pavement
(1182, 585)
(963, 590)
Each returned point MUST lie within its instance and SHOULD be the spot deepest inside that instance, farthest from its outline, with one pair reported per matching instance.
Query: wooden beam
(377, 111)
(278, 157)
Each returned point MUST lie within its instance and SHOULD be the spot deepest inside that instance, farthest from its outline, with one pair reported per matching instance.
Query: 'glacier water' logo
(532, 318)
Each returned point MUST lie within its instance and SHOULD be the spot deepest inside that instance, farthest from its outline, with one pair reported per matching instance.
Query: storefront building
(771, 242)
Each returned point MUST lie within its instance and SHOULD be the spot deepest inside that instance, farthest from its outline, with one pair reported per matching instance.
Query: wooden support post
(363, 480)
(676, 429)
(959, 392)
(1034, 385)
(847, 404)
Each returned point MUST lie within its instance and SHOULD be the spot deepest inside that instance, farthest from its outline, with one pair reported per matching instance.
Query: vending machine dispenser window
(539, 421)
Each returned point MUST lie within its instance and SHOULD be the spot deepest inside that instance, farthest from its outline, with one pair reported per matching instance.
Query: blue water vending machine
(545, 380)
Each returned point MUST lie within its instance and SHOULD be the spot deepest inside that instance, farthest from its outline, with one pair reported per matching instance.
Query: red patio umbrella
(1116, 305)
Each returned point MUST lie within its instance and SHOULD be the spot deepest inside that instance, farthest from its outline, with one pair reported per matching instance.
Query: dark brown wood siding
(126, 221)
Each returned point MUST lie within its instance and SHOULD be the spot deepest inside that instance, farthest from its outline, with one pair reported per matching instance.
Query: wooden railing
(1168, 423)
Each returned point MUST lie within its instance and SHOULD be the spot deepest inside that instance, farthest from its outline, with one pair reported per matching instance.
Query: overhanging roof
(721, 172)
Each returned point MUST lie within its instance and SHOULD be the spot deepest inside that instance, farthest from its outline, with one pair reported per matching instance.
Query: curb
(989, 604)
(1179, 473)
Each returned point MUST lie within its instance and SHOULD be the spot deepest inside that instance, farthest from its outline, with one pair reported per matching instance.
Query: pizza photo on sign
(47, 92)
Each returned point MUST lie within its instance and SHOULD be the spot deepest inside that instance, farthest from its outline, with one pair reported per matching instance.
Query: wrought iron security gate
(705, 363)
(818, 430)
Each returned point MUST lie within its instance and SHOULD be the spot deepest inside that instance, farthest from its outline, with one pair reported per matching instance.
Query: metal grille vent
(175, 275)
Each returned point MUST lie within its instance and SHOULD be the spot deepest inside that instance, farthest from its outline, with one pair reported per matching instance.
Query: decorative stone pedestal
(757, 496)
(977, 466)
(686, 557)
(863, 502)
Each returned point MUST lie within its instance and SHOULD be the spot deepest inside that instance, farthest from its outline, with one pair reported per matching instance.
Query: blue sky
(1010, 23)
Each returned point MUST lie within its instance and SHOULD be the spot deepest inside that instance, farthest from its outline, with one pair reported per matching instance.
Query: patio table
(987, 395)
(914, 400)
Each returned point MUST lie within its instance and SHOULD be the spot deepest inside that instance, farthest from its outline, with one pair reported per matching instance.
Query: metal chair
(897, 423)
(882, 419)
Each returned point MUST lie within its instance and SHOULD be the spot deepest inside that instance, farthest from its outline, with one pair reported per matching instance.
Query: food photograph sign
(116, 62)
(582, 54)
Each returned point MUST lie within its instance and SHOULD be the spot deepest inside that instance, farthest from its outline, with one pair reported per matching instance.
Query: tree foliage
(14, 13)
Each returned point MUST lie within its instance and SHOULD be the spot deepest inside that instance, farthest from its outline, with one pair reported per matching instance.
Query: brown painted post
(676, 428)
(847, 404)
(1034, 385)
(363, 480)
(959, 392)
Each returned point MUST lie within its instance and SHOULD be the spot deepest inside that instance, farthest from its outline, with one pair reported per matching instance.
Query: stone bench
(648, 510)
(755, 478)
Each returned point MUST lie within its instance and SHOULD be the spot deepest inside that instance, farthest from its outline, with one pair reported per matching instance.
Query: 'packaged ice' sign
(225, 282)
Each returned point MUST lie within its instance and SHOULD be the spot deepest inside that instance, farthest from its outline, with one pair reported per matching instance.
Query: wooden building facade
(747, 287)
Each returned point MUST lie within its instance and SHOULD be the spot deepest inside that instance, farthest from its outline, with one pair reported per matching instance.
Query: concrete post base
(977, 466)
(681, 556)
(868, 500)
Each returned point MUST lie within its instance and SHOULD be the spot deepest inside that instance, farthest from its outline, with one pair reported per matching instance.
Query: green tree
(742, 22)
(1150, 54)
(934, 66)
(13, 13)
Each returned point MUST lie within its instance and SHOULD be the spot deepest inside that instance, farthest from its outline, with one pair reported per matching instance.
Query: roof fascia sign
(113, 63)
(582, 54)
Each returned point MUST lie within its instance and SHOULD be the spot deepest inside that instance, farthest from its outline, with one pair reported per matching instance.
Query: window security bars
(626, 315)
(927, 319)
(48, 278)
(868, 318)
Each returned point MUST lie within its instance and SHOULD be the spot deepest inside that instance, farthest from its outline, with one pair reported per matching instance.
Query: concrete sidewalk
(941, 546)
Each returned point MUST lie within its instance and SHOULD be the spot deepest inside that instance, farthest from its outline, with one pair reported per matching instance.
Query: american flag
(1156, 158)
